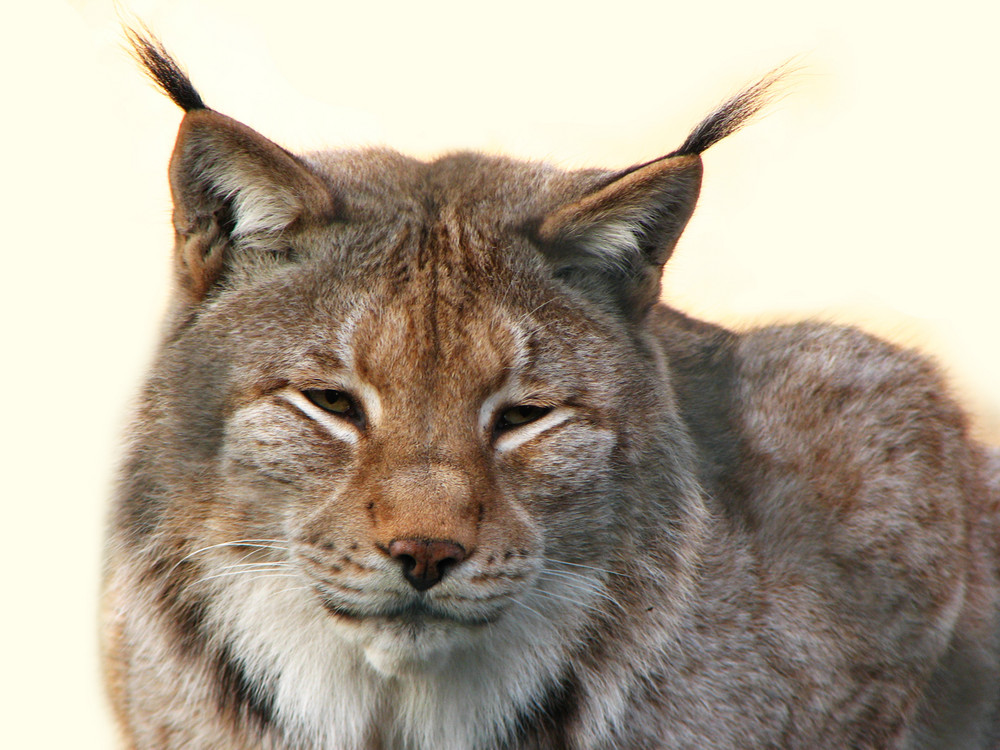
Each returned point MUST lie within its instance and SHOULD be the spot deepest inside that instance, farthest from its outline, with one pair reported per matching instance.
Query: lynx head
(418, 396)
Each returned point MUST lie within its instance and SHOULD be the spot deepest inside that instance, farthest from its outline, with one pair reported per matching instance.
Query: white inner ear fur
(634, 221)
(615, 243)
(260, 205)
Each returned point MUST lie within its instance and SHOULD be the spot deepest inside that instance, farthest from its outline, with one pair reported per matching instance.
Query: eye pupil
(521, 414)
(336, 402)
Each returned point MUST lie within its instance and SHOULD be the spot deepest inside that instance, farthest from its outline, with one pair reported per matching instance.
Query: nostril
(409, 563)
(424, 561)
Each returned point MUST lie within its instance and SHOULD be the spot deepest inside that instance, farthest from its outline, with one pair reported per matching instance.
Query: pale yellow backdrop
(869, 194)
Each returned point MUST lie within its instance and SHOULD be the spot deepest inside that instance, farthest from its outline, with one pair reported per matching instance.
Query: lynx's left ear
(614, 241)
(622, 233)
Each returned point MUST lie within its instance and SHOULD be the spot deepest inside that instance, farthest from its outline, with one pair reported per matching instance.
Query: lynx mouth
(414, 612)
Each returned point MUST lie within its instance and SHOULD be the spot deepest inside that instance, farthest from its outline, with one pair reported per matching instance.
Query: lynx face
(410, 407)
(427, 455)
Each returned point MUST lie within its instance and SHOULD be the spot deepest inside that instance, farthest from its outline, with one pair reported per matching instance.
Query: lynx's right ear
(231, 184)
(234, 191)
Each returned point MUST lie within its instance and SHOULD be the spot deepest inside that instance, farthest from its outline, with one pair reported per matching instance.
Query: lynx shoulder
(423, 463)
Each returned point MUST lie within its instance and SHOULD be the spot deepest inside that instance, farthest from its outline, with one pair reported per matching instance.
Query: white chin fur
(438, 686)
(419, 649)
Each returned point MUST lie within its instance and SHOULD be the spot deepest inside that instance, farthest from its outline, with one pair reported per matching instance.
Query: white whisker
(258, 543)
(530, 609)
(259, 566)
(586, 606)
(592, 567)
(585, 585)
(528, 314)
(275, 572)
(259, 549)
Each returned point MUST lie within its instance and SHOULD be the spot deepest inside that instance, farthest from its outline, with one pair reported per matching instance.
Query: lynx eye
(335, 402)
(519, 415)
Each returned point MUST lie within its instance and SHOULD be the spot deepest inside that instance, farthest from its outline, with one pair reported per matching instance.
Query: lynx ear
(221, 166)
(622, 233)
(615, 240)
(235, 192)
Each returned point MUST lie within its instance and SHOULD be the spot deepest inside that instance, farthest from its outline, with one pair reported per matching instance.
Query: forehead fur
(484, 190)
(445, 241)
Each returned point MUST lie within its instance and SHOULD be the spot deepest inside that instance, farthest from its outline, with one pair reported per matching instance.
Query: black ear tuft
(733, 114)
(164, 71)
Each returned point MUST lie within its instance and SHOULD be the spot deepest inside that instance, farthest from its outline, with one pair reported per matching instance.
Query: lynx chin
(424, 463)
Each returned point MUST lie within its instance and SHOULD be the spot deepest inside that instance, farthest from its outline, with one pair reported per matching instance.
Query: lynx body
(424, 464)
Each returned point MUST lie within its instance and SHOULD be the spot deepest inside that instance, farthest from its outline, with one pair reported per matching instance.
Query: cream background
(867, 195)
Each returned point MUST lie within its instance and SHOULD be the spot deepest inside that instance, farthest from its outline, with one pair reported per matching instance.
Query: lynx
(423, 463)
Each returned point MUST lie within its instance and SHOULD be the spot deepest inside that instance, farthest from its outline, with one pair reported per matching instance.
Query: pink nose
(425, 561)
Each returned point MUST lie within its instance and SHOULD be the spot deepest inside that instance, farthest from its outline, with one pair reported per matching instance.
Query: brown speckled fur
(782, 538)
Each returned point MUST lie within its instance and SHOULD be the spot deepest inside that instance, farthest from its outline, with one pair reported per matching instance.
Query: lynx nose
(425, 561)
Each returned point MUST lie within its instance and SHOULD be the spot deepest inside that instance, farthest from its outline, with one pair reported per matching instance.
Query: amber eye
(519, 415)
(335, 402)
